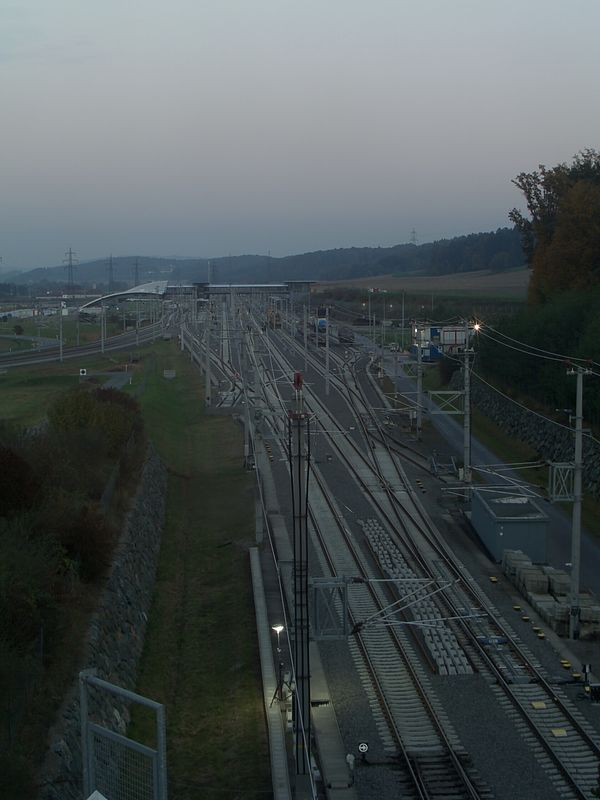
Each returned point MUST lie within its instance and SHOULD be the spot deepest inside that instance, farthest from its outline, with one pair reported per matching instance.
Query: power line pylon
(110, 273)
(70, 262)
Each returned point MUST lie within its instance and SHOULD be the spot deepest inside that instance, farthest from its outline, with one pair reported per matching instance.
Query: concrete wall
(115, 636)
(550, 441)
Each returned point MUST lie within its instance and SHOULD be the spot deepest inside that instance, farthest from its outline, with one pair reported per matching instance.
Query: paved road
(559, 528)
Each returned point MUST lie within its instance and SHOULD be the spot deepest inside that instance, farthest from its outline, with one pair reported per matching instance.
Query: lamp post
(279, 690)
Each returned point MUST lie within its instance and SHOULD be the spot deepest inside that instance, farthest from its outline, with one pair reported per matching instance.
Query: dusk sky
(209, 127)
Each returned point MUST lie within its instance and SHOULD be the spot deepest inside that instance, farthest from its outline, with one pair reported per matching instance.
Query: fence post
(83, 715)
(161, 747)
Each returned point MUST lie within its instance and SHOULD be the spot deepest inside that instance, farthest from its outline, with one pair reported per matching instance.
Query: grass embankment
(201, 655)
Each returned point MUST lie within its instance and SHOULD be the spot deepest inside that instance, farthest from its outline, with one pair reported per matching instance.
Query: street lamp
(278, 629)
(279, 689)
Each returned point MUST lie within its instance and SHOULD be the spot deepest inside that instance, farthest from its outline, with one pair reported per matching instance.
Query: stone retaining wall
(551, 441)
(115, 637)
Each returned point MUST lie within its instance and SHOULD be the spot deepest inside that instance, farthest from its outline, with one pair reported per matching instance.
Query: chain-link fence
(118, 766)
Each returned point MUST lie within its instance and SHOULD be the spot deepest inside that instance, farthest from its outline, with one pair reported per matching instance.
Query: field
(510, 285)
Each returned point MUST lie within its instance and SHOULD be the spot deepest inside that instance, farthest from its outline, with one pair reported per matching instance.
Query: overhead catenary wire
(575, 361)
(586, 434)
(540, 350)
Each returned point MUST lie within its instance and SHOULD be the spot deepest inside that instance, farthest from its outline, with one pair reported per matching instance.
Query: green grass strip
(201, 653)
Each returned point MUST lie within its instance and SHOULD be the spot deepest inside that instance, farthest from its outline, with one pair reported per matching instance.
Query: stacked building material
(559, 583)
(547, 590)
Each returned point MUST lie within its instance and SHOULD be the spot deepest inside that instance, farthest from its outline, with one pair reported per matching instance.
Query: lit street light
(279, 689)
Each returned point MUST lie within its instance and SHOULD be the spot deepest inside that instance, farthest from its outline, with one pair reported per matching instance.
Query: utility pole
(576, 519)
(327, 351)
(305, 339)
(299, 465)
(467, 412)
(136, 272)
(60, 330)
(70, 262)
(419, 381)
(207, 375)
(102, 327)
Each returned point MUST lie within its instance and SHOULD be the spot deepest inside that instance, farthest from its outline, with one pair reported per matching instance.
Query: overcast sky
(209, 127)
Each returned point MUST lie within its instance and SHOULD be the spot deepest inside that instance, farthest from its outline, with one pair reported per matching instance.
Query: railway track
(456, 630)
(412, 725)
(569, 747)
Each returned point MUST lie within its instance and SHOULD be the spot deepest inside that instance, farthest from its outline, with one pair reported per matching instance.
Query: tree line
(561, 240)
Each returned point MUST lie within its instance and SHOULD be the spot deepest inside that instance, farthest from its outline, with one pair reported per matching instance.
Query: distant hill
(496, 251)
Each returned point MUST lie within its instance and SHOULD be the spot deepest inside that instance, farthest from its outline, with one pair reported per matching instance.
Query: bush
(108, 411)
(72, 410)
(29, 569)
(88, 540)
(76, 461)
(85, 539)
(18, 483)
(447, 367)
(16, 777)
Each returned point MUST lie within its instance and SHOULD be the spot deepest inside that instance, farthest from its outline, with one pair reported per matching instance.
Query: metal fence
(114, 764)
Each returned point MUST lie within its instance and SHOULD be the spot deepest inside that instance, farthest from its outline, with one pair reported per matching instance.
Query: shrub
(447, 367)
(88, 540)
(16, 777)
(108, 411)
(18, 483)
(72, 410)
(29, 568)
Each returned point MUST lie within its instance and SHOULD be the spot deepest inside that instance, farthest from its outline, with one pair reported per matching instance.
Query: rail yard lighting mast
(419, 342)
(576, 519)
(468, 353)
(299, 471)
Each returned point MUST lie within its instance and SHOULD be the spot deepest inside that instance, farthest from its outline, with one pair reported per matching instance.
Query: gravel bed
(376, 776)
(504, 761)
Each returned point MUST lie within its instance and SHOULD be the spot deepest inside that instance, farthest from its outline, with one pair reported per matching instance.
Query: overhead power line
(532, 350)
